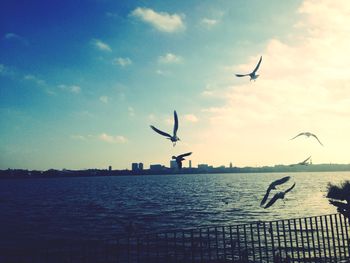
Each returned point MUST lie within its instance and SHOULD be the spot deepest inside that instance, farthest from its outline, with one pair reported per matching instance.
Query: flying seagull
(173, 137)
(252, 75)
(272, 186)
(180, 158)
(308, 134)
(278, 195)
(305, 162)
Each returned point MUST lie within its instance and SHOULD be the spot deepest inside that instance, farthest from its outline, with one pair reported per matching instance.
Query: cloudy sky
(81, 81)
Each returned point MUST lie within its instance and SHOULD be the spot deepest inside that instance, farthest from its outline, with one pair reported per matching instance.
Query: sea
(41, 210)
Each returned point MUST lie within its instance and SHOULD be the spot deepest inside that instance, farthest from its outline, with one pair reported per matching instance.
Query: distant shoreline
(52, 173)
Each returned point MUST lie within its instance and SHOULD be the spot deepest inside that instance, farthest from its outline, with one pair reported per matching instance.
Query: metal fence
(312, 239)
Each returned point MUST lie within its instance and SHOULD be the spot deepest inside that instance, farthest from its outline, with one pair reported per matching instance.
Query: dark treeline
(22, 173)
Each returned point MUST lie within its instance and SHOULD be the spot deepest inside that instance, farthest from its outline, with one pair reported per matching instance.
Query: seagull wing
(160, 132)
(241, 75)
(289, 189)
(184, 155)
(265, 197)
(317, 139)
(302, 133)
(304, 162)
(176, 123)
(273, 200)
(257, 66)
(280, 181)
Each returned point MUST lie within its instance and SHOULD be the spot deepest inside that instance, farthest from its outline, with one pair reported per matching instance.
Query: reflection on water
(103, 207)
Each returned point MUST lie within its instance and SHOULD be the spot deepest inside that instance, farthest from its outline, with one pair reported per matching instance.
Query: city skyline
(80, 83)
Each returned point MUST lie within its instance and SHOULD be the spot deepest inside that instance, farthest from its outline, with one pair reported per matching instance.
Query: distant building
(173, 164)
(156, 167)
(141, 166)
(190, 163)
(230, 164)
(110, 168)
(203, 166)
(134, 166)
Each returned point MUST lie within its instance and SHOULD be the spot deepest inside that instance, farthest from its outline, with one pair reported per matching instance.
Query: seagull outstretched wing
(304, 162)
(302, 133)
(241, 75)
(176, 123)
(278, 195)
(257, 66)
(280, 181)
(266, 196)
(184, 155)
(289, 189)
(317, 139)
(160, 132)
(274, 199)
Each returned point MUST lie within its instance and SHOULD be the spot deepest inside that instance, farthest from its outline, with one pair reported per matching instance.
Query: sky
(81, 81)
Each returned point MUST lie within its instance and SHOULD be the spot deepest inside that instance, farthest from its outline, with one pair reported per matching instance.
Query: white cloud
(123, 62)
(104, 99)
(16, 37)
(72, 88)
(303, 87)
(101, 45)
(131, 111)
(163, 72)
(209, 23)
(190, 118)
(170, 58)
(35, 79)
(75, 89)
(207, 93)
(112, 139)
(161, 21)
(103, 137)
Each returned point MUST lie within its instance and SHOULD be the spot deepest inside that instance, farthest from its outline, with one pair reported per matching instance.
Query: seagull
(272, 186)
(173, 137)
(180, 158)
(308, 134)
(305, 162)
(278, 195)
(252, 75)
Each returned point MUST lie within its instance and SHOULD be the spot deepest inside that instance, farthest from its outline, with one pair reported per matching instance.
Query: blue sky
(81, 81)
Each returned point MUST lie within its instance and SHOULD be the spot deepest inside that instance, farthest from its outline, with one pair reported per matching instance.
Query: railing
(311, 239)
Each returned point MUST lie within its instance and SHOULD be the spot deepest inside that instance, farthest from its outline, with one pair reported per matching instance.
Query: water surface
(102, 207)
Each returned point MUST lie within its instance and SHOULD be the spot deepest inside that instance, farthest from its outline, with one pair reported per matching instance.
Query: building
(141, 166)
(173, 164)
(110, 168)
(134, 166)
(203, 166)
(190, 163)
(230, 164)
(156, 167)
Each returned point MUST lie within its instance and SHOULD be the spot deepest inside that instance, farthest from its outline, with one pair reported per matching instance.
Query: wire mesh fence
(312, 239)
